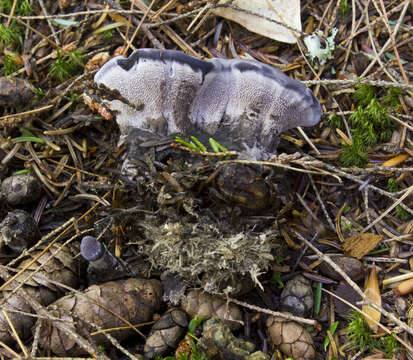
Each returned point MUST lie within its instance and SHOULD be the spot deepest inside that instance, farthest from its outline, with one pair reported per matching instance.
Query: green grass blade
(200, 145)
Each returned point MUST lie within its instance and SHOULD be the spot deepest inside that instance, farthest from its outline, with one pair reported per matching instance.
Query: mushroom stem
(103, 265)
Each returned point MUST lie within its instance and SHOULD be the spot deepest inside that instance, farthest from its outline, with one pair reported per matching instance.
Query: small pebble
(18, 231)
(15, 92)
(21, 189)
(351, 266)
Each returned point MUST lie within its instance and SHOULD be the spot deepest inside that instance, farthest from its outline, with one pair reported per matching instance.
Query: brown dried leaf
(372, 291)
(359, 245)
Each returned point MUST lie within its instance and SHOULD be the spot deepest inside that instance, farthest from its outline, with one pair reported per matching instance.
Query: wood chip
(359, 245)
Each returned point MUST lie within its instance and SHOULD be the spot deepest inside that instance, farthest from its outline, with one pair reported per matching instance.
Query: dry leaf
(359, 245)
(284, 11)
(372, 291)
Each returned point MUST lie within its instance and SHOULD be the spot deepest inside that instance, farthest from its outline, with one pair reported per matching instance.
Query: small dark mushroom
(103, 265)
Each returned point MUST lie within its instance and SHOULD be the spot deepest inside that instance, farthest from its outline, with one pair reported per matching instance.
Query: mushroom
(167, 91)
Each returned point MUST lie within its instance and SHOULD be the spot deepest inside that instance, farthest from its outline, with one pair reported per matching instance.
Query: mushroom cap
(91, 249)
(251, 101)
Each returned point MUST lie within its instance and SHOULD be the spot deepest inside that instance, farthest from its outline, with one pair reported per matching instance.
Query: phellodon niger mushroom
(248, 101)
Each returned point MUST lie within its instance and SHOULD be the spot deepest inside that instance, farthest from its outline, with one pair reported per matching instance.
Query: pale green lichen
(203, 256)
(315, 49)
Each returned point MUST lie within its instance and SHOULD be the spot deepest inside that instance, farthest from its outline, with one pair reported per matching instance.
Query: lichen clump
(201, 254)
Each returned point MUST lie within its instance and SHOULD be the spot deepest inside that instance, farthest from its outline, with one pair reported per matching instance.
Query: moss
(335, 121)
(9, 66)
(108, 35)
(12, 36)
(372, 123)
(354, 154)
(391, 100)
(361, 337)
(66, 66)
(344, 8)
(23, 7)
(390, 345)
(363, 94)
(392, 185)
(369, 123)
(401, 213)
(358, 332)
